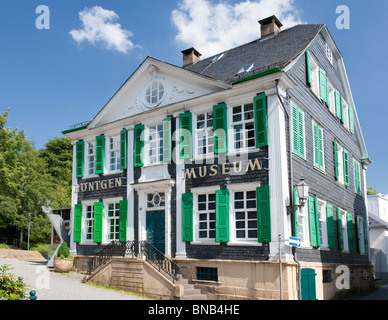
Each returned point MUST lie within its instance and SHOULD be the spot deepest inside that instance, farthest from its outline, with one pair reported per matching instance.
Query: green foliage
(32, 182)
(63, 251)
(10, 287)
(3, 246)
(372, 191)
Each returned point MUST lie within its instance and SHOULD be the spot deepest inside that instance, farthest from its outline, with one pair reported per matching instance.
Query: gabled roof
(265, 54)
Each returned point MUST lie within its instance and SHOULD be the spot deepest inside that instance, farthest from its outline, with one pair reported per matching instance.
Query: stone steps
(190, 293)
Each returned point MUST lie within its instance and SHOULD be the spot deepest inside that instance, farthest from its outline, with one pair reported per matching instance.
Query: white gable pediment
(154, 85)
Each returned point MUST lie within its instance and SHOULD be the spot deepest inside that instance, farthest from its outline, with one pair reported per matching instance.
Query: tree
(372, 191)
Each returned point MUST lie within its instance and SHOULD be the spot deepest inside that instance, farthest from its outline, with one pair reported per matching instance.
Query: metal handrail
(136, 248)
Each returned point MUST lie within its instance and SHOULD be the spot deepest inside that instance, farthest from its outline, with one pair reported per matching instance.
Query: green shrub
(63, 251)
(10, 288)
(3, 246)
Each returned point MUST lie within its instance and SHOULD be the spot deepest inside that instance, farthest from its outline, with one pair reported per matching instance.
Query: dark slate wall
(323, 184)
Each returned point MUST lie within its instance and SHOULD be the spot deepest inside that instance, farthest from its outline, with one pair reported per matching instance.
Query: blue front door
(155, 227)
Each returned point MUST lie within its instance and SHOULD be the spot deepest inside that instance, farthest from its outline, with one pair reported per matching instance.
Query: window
(345, 114)
(154, 93)
(332, 99)
(89, 221)
(326, 276)
(113, 221)
(329, 54)
(243, 126)
(340, 163)
(322, 224)
(207, 274)
(114, 153)
(156, 144)
(303, 226)
(318, 146)
(204, 134)
(357, 178)
(206, 216)
(91, 158)
(245, 215)
(315, 87)
(245, 69)
(156, 200)
(217, 57)
(344, 228)
(298, 131)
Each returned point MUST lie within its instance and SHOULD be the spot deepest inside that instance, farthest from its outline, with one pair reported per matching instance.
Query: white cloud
(98, 26)
(215, 27)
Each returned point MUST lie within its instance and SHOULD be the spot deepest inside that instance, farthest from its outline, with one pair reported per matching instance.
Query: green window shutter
(263, 203)
(351, 120)
(346, 167)
(185, 134)
(357, 182)
(220, 128)
(330, 225)
(357, 221)
(123, 149)
(308, 68)
(77, 229)
(339, 227)
(322, 84)
(167, 140)
(298, 131)
(80, 147)
(138, 145)
(296, 213)
(100, 154)
(123, 217)
(350, 231)
(336, 169)
(366, 236)
(187, 217)
(98, 221)
(313, 223)
(318, 146)
(222, 215)
(261, 120)
(337, 104)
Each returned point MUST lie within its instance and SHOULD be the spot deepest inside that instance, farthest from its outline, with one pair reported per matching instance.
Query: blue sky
(51, 78)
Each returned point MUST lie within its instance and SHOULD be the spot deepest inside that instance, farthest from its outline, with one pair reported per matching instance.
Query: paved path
(50, 285)
(379, 294)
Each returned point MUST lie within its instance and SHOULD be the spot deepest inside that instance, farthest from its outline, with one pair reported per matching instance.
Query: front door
(156, 229)
(308, 284)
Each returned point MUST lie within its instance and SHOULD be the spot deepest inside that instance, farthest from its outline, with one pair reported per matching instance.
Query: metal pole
(280, 269)
(28, 239)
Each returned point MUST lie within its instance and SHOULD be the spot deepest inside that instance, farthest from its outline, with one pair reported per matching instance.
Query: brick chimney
(190, 56)
(269, 26)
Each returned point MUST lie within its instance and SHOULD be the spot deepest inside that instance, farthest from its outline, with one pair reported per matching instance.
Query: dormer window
(245, 69)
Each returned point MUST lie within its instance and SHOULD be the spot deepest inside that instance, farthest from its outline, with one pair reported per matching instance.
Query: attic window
(217, 57)
(245, 69)
(154, 93)
(329, 54)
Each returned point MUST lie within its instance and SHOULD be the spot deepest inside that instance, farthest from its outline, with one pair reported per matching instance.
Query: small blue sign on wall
(295, 242)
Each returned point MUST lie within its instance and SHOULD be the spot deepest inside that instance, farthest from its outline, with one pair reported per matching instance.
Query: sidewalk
(50, 285)
(378, 294)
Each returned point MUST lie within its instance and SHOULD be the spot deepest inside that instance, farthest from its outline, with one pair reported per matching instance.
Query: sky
(61, 61)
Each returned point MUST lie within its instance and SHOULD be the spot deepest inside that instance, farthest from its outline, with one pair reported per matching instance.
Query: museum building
(217, 163)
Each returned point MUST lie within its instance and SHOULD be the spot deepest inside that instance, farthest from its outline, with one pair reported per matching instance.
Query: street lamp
(302, 190)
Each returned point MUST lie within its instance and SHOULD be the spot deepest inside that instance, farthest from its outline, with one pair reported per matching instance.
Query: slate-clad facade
(201, 162)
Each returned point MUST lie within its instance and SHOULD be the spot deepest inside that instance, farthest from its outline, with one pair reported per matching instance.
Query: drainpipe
(291, 180)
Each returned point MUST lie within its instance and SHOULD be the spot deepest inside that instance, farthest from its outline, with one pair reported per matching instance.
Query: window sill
(207, 243)
(299, 157)
(247, 244)
(320, 170)
(205, 281)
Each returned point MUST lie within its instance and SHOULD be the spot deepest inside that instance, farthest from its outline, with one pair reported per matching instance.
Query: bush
(3, 246)
(10, 288)
(63, 251)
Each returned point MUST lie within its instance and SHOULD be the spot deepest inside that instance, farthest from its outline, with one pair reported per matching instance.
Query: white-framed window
(329, 54)
(243, 127)
(91, 158)
(245, 215)
(89, 222)
(344, 227)
(113, 220)
(155, 144)
(322, 224)
(340, 161)
(361, 235)
(154, 93)
(206, 217)
(114, 154)
(315, 85)
(303, 226)
(332, 98)
(204, 137)
(345, 115)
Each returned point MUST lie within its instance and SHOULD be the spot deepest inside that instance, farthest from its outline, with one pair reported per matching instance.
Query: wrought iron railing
(136, 248)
